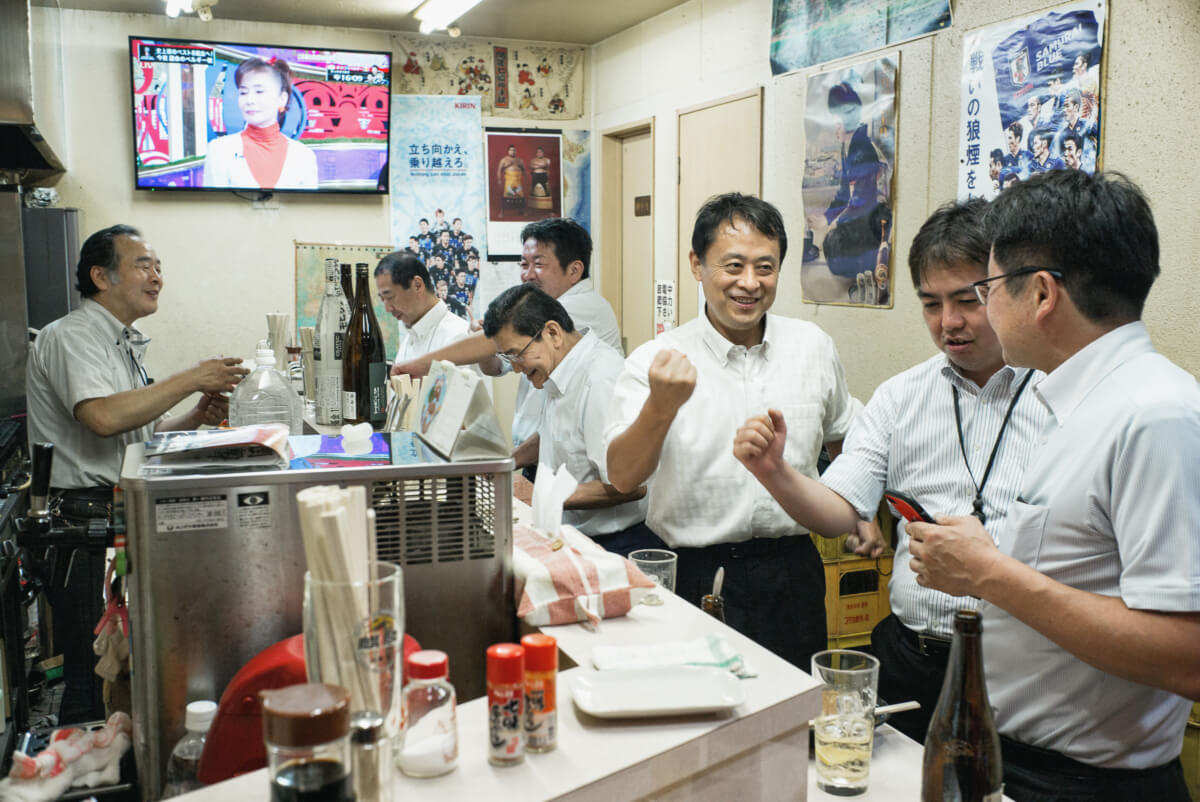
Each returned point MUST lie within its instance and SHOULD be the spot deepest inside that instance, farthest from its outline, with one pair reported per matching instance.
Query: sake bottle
(332, 319)
(364, 364)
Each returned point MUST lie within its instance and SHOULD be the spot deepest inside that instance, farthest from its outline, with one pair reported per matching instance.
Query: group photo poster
(808, 32)
(437, 198)
(524, 183)
(1031, 92)
(849, 161)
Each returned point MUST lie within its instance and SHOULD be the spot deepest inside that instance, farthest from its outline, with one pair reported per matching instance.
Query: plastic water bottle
(265, 396)
(185, 757)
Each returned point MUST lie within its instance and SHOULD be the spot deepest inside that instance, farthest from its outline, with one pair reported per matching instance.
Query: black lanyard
(977, 504)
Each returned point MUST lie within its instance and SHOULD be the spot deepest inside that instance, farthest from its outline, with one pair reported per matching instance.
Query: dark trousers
(1040, 775)
(774, 591)
(633, 538)
(909, 668)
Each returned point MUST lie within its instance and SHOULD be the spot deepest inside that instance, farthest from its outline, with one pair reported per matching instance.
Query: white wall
(707, 49)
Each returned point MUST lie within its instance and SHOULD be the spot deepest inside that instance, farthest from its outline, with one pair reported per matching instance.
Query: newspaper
(242, 448)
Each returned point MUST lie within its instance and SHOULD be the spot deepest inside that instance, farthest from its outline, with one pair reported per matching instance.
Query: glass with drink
(845, 729)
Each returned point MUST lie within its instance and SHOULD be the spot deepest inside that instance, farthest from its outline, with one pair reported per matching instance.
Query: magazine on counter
(242, 448)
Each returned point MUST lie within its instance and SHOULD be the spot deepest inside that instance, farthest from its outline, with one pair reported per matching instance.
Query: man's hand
(759, 443)
(867, 540)
(951, 555)
(212, 408)
(417, 368)
(218, 375)
(672, 379)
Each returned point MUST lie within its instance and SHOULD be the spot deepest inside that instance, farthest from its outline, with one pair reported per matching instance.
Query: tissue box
(568, 578)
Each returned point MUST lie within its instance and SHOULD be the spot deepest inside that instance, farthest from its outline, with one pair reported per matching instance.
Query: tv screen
(222, 116)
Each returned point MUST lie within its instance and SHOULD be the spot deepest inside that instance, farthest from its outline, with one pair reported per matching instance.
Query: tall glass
(354, 637)
(659, 565)
(844, 731)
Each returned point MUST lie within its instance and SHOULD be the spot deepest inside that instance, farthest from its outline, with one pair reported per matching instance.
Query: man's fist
(672, 379)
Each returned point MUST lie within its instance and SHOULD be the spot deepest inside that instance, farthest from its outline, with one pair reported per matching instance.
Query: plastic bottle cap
(428, 664)
(505, 664)
(541, 653)
(305, 715)
(200, 715)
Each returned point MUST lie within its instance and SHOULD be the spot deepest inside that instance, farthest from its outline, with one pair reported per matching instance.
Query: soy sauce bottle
(307, 733)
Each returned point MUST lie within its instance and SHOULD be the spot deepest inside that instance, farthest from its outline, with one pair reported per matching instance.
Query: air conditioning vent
(435, 519)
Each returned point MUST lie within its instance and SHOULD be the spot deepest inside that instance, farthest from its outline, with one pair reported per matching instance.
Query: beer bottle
(332, 319)
(364, 364)
(962, 748)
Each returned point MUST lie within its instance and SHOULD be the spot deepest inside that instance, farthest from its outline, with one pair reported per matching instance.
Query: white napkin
(712, 650)
(550, 491)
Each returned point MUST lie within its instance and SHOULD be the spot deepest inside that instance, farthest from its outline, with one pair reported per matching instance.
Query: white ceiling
(577, 21)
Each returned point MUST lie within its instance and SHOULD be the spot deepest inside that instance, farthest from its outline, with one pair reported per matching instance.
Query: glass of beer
(845, 729)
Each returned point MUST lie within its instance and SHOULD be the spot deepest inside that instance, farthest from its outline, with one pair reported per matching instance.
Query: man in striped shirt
(953, 432)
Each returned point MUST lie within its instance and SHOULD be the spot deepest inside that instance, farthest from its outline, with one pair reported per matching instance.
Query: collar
(573, 366)
(114, 330)
(578, 288)
(429, 321)
(1066, 386)
(1007, 375)
(723, 349)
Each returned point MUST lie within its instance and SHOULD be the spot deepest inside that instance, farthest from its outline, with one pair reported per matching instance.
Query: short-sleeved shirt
(436, 328)
(87, 354)
(700, 494)
(1108, 505)
(578, 393)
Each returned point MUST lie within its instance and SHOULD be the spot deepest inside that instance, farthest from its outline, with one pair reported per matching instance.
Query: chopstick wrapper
(712, 650)
(561, 576)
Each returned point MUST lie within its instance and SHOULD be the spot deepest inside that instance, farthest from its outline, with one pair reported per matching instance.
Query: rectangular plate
(664, 691)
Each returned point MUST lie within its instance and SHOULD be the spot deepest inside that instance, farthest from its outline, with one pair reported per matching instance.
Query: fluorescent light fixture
(436, 15)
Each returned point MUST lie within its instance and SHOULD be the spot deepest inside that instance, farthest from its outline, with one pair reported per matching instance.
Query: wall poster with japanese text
(437, 200)
(849, 160)
(524, 183)
(1031, 92)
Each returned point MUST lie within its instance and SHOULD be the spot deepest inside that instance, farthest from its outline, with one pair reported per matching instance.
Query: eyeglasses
(982, 286)
(519, 356)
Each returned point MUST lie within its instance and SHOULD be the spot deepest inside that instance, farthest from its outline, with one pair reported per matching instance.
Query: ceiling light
(437, 15)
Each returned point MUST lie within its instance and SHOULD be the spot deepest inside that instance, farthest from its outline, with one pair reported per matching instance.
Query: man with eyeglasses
(88, 393)
(575, 370)
(953, 432)
(1092, 595)
(681, 398)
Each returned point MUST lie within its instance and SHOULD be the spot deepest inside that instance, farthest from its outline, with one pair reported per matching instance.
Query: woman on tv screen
(261, 156)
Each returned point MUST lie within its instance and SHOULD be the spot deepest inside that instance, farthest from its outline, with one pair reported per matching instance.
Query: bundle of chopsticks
(405, 401)
(338, 530)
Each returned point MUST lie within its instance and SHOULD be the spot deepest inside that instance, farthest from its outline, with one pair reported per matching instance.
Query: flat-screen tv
(223, 116)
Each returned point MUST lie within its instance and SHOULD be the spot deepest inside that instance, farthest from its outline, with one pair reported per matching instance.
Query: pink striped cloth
(578, 581)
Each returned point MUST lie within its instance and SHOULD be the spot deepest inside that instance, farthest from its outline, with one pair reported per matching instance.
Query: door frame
(611, 227)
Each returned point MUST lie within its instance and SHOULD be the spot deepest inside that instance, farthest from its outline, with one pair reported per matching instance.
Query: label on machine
(187, 513)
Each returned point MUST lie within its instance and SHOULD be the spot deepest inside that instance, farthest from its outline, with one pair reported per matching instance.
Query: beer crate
(856, 595)
(1190, 756)
(834, 548)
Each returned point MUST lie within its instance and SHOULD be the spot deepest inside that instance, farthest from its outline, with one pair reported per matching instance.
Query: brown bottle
(962, 747)
(364, 364)
(347, 284)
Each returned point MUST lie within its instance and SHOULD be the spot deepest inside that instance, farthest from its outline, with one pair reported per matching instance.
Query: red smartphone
(907, 507)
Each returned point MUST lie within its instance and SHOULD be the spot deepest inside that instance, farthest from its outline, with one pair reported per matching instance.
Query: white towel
(712, 650)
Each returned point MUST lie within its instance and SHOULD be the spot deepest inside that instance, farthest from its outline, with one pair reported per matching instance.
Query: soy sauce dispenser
(307, 734)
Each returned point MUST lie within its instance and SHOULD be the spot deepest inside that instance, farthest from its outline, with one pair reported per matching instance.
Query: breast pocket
(1023, 531)
(806, 432)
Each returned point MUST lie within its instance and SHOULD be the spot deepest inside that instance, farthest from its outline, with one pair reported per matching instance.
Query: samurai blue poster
(437, 199)
(1031, 98)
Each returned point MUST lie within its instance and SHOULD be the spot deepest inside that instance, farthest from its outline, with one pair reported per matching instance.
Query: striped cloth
(569, 578)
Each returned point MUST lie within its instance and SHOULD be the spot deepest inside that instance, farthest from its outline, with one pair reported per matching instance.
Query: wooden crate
(849, 613)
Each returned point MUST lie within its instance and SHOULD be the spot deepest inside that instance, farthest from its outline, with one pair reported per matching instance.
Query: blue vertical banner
(437, 191)
(577, 176)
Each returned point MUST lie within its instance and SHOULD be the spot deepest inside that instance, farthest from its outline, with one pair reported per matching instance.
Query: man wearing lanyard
(1091, 598)
(954, 433)
(89, 395)
(678, 403)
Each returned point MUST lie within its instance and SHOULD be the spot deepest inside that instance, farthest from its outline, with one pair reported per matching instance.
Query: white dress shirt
(700, 494)
(87, 354)
(1108, 505)
(578, 393)
(906, 440)
(437, 328)
(588, 310)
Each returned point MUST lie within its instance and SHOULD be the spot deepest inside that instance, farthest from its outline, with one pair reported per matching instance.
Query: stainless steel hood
(23, 149)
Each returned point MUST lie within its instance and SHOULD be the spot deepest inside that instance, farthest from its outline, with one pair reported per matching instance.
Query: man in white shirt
(682, 397)
(555, 255)
(1091, 599)
(409, 296)
(88, 394)
(576, 370)
(954, 433)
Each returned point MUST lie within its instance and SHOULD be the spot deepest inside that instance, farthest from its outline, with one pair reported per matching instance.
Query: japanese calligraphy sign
(1031, 90)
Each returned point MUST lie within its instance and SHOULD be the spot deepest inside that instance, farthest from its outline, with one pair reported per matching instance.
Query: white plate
(662, 691)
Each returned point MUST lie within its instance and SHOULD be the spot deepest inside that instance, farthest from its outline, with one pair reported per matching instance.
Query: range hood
(24, 151)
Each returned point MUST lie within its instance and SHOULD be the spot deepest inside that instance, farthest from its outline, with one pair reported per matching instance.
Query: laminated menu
(263, 447)
(456, 417)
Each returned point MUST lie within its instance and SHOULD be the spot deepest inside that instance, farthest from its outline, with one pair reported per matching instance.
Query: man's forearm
(633, 455)
(1157, 649)
(526, 453)
(470, 350)
(123, 412)
(808, 502)
(596, 495)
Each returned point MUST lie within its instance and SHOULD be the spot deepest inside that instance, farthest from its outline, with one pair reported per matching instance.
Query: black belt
(928, 645)
(754, 547)
(1035, 758)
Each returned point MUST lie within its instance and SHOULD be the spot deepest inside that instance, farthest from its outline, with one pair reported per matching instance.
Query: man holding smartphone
(953, 433)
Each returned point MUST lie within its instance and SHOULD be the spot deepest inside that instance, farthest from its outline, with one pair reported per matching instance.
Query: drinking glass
(354, 637)
(659, 565)
(845, 729)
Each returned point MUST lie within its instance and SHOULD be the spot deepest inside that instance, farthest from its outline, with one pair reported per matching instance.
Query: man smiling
(678, 404)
